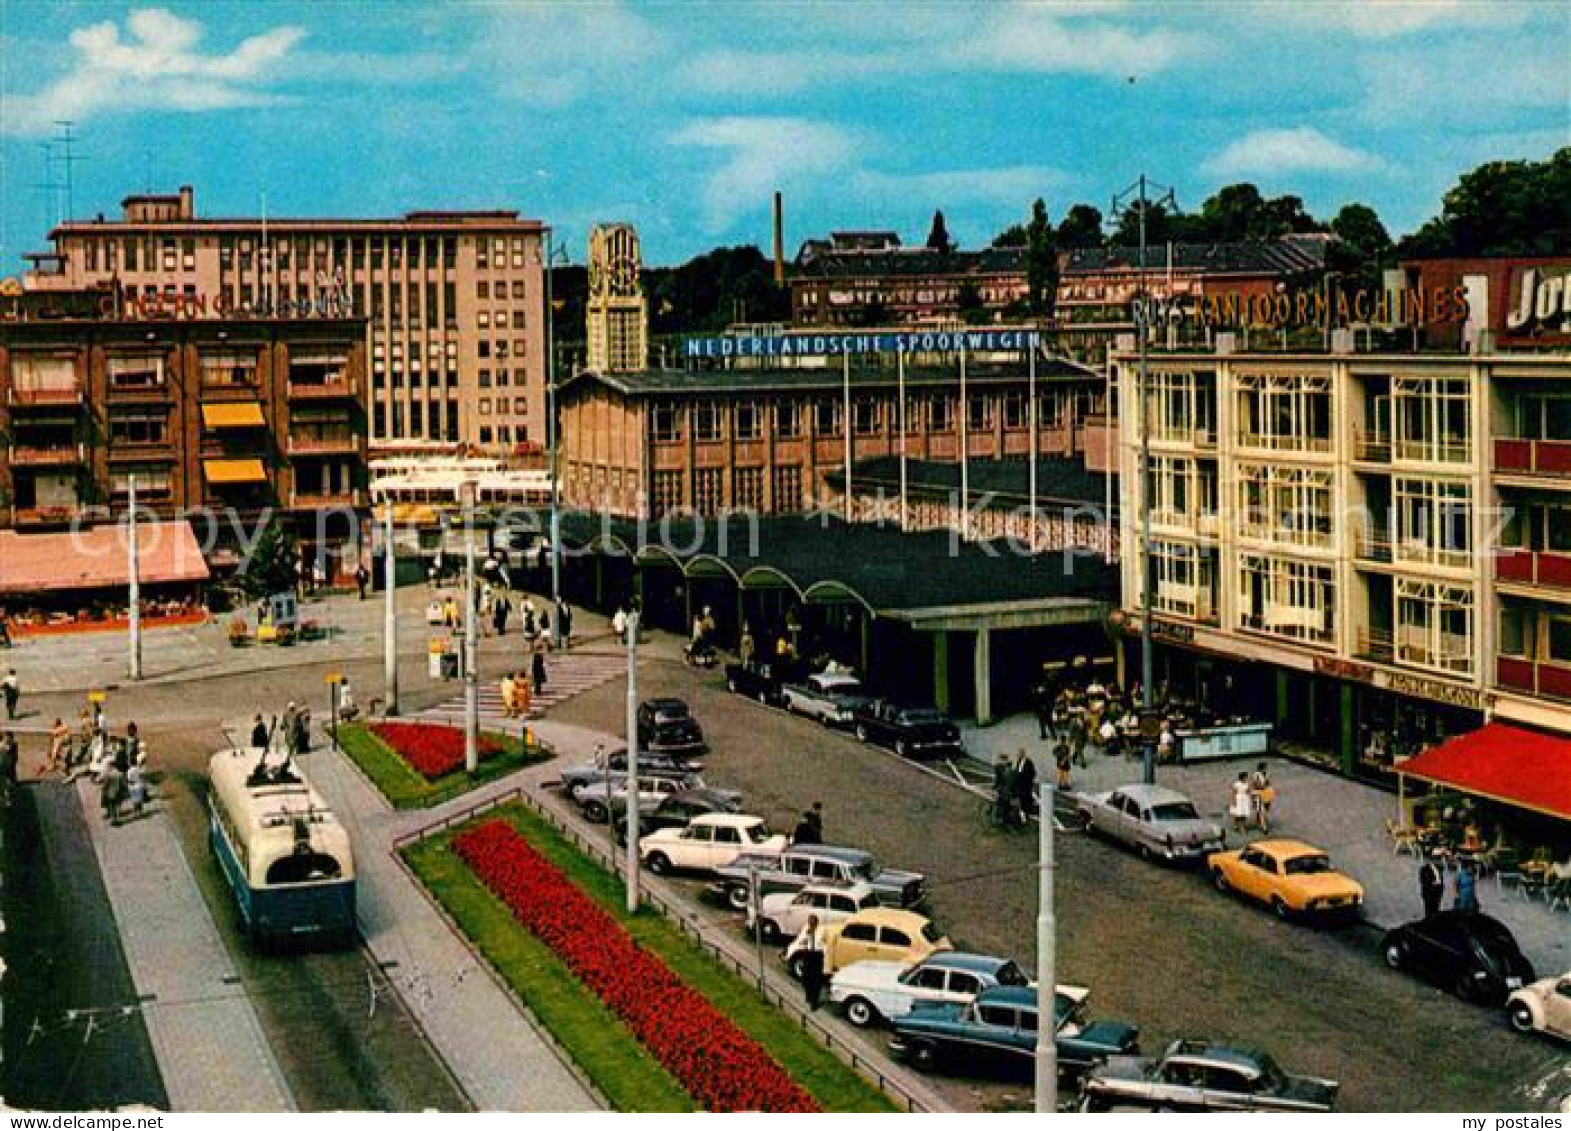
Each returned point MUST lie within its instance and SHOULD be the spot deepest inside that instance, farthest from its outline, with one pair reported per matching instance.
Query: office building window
(229, 368)
(485, 406)
(140, 371)
(482, 289)
(747, 422)
(707, 425)
(139, 428)
(866, 414)
(941, 413)
(1290, 505)
(1286, 598)
(518, 288)
(667, 493)
(826, 417)
(708, 489)
(788, 490)
(483, 348)
(1433, 523)
(1284, 412)
(788, 419)
(485, 378)
(747, 489)
(520, 406)
(1434, 626)
(1014, 410)
(1433, 420)
(1185, 580)
(665, 423)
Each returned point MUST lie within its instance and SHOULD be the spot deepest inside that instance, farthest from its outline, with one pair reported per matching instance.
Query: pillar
(982, 674)
(941, 670)
(1347, 732)
(599, 605)
(867, 643)
(1282, 697)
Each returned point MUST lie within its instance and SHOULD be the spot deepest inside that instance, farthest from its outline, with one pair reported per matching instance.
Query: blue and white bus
(285, 856)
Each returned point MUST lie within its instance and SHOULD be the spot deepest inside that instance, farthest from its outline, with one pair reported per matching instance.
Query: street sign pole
(632, 762)
(1046, 949)
(389, 617)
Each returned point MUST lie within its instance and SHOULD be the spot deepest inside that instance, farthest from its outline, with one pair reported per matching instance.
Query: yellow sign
(333, 677)
(98, 696)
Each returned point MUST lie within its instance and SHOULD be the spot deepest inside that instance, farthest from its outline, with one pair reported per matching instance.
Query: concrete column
(867, 643)
(982, 673)
(941, 670)
(1282, 695)
(1347, 732)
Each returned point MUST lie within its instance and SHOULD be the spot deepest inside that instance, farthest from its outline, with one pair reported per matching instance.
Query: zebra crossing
(567, 675)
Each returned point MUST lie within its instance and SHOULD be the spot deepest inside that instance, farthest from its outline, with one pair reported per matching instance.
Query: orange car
(1289, 875)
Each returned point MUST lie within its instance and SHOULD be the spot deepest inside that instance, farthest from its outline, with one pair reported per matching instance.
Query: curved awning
(1512, 765)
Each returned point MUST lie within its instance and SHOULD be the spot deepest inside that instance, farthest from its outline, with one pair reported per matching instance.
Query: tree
(271, 566)
(1012, 236)
(1501, 208)
(968, 300)
(938, 235)
(1162, 225)
(1081, 227)
(713, 290)
(1041, 263)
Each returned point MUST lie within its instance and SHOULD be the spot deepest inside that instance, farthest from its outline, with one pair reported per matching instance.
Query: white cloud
(785, 72)
(1005, 185)
(1389, 19)
(1027, 37)
(761, 155)
(554, 54)
(1302, 149)
(1468, 84)
(159, 64)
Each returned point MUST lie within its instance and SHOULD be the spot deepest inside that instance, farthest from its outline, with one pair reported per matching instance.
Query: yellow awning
(245, 414)
(225, 471)
(416, 514)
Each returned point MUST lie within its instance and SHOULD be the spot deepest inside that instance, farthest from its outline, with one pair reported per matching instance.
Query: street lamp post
(632, 762)
(389, 616)
(1046, 946)
(471, 637)
(554, 441)
(134, 570)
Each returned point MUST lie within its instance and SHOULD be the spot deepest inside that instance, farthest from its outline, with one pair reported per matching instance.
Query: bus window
(303, 868)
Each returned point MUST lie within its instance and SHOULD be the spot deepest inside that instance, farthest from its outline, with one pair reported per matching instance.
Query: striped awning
(244, 414)
(222, 472)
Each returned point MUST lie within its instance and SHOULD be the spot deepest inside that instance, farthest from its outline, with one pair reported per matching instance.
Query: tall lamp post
(632, 762)
(1046, 944)
(553, 439)
(134, 572)
(471, 635)
(1137, 196)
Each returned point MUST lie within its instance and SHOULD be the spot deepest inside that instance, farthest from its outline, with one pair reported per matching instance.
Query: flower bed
(433, 751)
(720, 1066)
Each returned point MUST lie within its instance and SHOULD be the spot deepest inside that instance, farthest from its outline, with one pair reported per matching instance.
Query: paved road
(1157, 946)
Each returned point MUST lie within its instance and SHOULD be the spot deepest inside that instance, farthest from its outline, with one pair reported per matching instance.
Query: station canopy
(98, 558)
(1513, 765)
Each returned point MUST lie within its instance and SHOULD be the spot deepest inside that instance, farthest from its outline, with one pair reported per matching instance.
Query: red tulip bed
(433, 751)
(720, 1066)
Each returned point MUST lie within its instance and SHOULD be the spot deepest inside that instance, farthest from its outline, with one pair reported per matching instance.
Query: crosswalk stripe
(566, 677)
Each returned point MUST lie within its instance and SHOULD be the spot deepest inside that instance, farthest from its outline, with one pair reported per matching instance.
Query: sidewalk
(209, 1044)
(1346, 818)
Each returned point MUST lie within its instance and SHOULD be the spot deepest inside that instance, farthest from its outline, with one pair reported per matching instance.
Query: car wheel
(797, 967)
(1283, 912)
(901, 747)
(1521, 1017)
(660, 863)
(738, 898)
(860, 1012)
(1396, 955)
(596, 812)
(1219, 881)
(1143, 851)
(730, 685)
(770, 930)
(763, 697)
(924, 1055)
(861, 733)
(1085, 822)
(1465, 988)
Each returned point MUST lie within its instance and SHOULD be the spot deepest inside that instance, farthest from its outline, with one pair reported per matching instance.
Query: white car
(783, 914)
(870, 991)
(830, 697)
(1542, 1007)
(708, 842)
(599, 800)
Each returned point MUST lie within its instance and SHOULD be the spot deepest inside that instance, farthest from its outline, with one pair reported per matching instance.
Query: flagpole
(1031, 407)
(965, 452)
(845, 423)
(900, 370)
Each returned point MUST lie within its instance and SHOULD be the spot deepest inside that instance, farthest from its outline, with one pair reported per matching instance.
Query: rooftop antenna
(67, 158)
(49, 185)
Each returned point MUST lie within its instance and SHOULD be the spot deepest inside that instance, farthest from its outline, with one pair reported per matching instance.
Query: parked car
(598, 802)
(802, 864)
(882, 991)
(830, 697)
(1472, 954)
(676, 811)
(1289, 876)
(1159, 823)
(590, 773)
(1203, 1076)
(783, 914)
(708, 842)
(1542, 1007)
(1001, 1025)
(665, 726)
(911, 732)
(763, 680)
(878, 933)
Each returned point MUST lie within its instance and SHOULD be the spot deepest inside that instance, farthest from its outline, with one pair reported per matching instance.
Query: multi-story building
(451, 301)
(233, 417)
(1356, 546)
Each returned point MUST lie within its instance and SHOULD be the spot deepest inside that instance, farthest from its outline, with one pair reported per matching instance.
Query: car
(1000, 1025)
(830, 697)
(598, 802)
(1203, 1076)
(676, 811)
(1158, 823)
(802, 864)
(1472, 954)
(882, 991)
(1543, 1006)
(878, 933)
(763, 680)
(666, 726)
(782, 914)
(592, 772)
(911, 732)
(1291, 877)
(708, 842)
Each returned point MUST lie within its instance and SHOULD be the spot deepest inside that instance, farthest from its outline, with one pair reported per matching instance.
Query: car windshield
(757, 833)
(1271, 1077)
(1308, 865)
(1010, 974)
(1174, 811)
(922, 718)
(671, 712)
(865, 869)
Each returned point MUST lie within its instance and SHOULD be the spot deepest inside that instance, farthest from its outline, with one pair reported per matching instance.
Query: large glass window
(1434, 626)
(1185, 580)
(1282, 597)
(1182, 404)
(665, 423)
(1285, 412)
(1291, 505)
(1433, 419)
(1433, 522)
(707, 425)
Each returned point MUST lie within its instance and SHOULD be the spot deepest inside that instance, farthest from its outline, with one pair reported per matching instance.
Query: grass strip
(406, 788)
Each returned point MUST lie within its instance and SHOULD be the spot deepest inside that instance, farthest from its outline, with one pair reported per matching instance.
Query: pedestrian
(545, 629)
(362, 579)
(564, 622)
(11, 686)
(816, 815)
(1025, 784)
(128, 752)
(1466, 887)
(530, 625)
(1077, 739)
(746, 647)
(509, 697)
(136, 788)
(1062, 763)
(303, 732)
(522, 696)
(810, 957)
(537, 666)
(1431, 884)
(1265, 796)
(348, 709)
(1167, 744)
(1042, 700)
(291, 732)
(450, 612)
(10, 756)
(59, 746)
(805, 831)
(1242, 808)
(5, 633)
(619, 624)
(500, 610)
(111, 792)
(1003, 792)
(258, 734)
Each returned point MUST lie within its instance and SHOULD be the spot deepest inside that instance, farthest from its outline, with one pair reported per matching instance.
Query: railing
(67, 395)
(324, 445)
(1375, 644)
(1433, 451)
(318, 390)
(1533, 457)
(1251, 441)
(1371, 447)
(161, 450)
(151, 391)
(311, 500)
(33, 455)
(1373, 545)
(1528, 567)
(595, 848)
(1543, 677)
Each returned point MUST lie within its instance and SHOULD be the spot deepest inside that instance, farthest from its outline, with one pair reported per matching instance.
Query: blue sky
(684, 117)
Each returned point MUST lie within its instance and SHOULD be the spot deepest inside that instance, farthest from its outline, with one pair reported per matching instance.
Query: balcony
(143, 453)
(1545, 678)
(338, 388)
(1371, 447)
(65, 396)
(1550, 459)
(1375, 644)
(1541, 568)
(50, 455)
(318, 500)
(43, 516)
(1373, 545)
(142, 392)
(345, 444)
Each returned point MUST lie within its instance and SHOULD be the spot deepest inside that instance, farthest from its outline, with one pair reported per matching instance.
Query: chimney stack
(779, 240)
(187, 203)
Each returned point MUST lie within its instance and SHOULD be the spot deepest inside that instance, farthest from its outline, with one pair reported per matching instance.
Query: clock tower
(618, 317)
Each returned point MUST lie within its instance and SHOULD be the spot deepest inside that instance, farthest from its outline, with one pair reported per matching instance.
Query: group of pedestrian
(517, 696)
(1014, 786)
(122, 784)
(810, 942)
(810, 829)
(1432, 883)
(1251, 799)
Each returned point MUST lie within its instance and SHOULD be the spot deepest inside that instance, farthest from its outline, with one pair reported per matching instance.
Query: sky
(683, 118)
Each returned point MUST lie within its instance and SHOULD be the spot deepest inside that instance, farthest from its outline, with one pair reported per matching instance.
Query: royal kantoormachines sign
(1540, 301)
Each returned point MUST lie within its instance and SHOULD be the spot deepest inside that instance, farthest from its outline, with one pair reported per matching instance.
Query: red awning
(97, 558)
(1525, 768)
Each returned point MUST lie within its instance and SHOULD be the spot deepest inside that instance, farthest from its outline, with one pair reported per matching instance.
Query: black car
(911, 732)
(1472, 954)
(676, 811)
(764, 681)
(666, 726)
